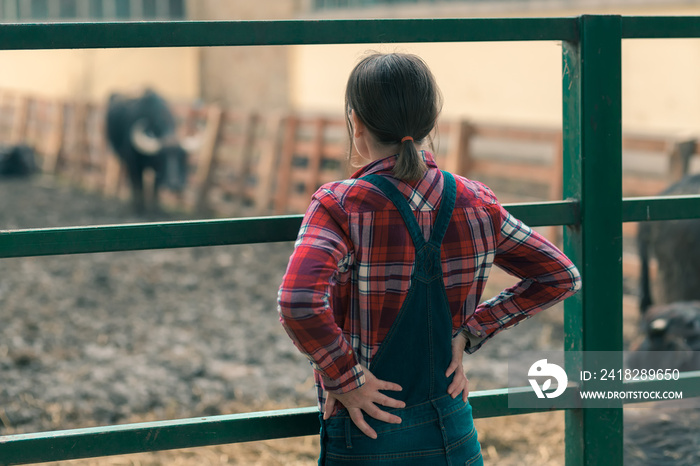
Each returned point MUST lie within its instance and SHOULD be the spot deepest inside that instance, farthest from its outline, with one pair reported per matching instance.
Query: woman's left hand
(460, 383)
(368, 399)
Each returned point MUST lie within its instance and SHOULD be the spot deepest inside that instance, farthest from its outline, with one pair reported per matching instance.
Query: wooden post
(246, 153)
(54, 140)
(285, 166)
(18, 132)
(458, 159)
(206, 159)
(112, 177)
(314, 160)
(275, 130)
(679, 159)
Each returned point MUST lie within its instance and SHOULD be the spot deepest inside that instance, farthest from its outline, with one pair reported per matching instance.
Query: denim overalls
(435, 429)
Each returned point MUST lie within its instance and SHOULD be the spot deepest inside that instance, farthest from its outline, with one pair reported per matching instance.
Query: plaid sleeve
(303, 298)
(546, 275)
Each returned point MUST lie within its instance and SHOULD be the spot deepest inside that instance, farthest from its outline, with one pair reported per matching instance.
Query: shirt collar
(388, 163)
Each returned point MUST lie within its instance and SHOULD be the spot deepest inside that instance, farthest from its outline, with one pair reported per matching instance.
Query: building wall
(245, 77)
(94, 74)
(241, 77)
(518, 82)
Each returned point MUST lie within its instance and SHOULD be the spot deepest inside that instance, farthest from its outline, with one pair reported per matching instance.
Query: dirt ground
(107, 338)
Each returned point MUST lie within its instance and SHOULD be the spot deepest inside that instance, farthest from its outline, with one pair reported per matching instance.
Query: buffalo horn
(147, 145)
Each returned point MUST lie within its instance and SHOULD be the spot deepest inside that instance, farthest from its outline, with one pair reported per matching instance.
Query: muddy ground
(109, 338)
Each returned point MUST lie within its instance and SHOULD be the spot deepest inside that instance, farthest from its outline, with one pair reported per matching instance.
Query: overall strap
(444, 213)
(395, 196)
(447, 205)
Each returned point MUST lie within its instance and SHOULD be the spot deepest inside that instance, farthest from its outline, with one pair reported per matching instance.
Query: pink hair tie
(407, 138)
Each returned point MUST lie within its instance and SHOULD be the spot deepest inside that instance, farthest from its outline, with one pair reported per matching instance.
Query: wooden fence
(254, 163)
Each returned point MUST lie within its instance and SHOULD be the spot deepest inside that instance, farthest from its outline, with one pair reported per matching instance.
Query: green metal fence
(593, 211)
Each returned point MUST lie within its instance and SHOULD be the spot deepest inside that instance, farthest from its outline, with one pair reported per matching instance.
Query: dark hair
(395, 95)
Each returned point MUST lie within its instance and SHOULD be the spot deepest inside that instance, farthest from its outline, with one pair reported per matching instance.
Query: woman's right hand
(460, 383)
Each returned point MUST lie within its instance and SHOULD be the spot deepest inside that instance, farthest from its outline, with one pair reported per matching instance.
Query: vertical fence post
(592, 171)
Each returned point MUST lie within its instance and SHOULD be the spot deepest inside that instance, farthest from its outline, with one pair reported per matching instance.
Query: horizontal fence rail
(197, 432)
(155, 436)
(182, 234)
(641, 209)
(248, 427)
(660, 27)
(311, 32)
(126, 237)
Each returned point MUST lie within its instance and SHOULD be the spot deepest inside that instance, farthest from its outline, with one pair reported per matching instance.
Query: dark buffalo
(675, 244)
(141, 132)
(671, 338)
(665, 432)
(17, 160)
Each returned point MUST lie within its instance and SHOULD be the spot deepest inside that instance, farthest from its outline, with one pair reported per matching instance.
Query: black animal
(676, 246)
(665, 433)
(17, 160)
(141, 132)
(671, 338)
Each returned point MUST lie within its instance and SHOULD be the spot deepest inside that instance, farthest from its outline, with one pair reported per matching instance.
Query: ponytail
(410, 165)
(395, 95)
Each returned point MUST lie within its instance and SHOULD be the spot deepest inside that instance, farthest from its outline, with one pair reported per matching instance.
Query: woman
(382, 290)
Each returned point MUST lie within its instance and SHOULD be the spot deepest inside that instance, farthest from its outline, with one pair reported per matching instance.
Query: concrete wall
(245, 77)
(516, 83)
(93, 74)
(251, 77)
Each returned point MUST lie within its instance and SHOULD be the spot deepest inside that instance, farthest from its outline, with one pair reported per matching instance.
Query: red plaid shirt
(351, 268)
